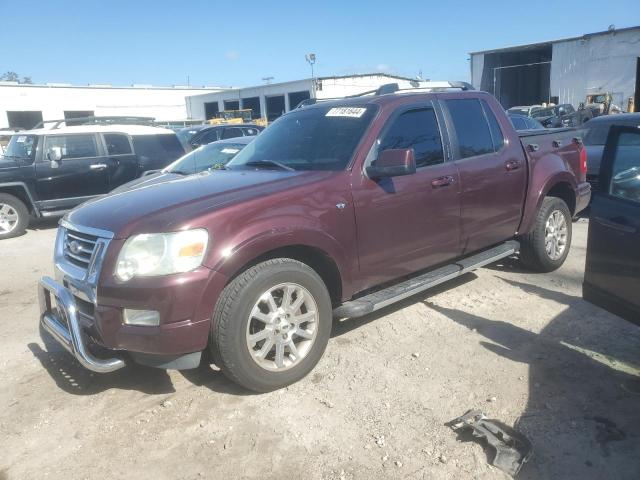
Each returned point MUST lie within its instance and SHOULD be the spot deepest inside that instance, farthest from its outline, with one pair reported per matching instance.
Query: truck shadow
(584, 386)
(71, 377)
(43, 223)
(342, 326)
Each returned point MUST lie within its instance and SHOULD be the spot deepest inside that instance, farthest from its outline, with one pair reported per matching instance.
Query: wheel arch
(21, 192)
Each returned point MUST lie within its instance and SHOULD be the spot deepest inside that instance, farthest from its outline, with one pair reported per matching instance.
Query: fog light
(147, 318)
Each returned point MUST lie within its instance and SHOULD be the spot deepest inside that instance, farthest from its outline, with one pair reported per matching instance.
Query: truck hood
(173, 204)
(146, 181)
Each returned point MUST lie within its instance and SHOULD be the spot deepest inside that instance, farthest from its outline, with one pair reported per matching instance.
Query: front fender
(257, 239)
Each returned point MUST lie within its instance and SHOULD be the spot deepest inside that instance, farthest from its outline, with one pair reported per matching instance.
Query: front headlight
(153, 254)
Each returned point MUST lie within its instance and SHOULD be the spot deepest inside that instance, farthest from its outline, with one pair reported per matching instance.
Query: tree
(10, 76)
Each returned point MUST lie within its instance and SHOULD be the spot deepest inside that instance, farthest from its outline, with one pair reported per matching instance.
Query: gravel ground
(524, 348)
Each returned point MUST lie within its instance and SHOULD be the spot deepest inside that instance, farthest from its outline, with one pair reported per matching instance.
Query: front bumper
(62, 322)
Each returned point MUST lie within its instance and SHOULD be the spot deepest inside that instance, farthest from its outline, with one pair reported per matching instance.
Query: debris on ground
(512, 448)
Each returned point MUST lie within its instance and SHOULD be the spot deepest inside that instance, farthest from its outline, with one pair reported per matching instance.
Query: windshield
(313, 138)
(22, 147)
(207, 157)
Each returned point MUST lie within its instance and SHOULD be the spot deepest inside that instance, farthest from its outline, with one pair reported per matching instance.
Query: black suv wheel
(14, 216)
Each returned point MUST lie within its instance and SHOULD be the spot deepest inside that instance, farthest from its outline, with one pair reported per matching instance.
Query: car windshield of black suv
(208, 157)
(21, 147)
(311, 138)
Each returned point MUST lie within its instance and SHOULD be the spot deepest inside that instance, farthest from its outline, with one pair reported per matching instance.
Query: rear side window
(73, 146)
(207, 136)
(472, 129)
(232, 132)
(117, 144)
(497, 136)
(417, 129)
(157, 151)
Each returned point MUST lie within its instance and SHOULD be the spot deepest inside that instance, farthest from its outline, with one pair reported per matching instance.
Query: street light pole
(311, 59)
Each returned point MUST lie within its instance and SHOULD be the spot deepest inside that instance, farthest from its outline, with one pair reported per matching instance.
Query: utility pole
(267, 80)
(311, 60)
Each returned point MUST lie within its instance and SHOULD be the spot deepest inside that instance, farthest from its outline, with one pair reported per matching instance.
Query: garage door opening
(24, 120)
(636, 95)
(252, 103)
(211, 110)
(232, 104)
(69, 115)
(275, 107)
(296, 97)
(519, 77)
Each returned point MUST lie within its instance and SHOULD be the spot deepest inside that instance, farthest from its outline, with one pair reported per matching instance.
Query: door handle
(512, 165)
(98, 166)
(615, 225)
(442, 181)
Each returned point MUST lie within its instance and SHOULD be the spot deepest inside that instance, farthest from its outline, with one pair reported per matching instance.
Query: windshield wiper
(269, 163)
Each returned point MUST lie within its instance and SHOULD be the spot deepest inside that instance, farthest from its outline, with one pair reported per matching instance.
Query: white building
(563, 71)
(272, 100)
(23, 106)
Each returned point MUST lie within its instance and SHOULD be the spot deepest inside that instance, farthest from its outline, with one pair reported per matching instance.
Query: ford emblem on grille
(74, 247)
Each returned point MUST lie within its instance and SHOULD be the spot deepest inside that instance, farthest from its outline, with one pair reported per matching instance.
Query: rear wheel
(14, 216)
(271, 324)
(546, 247)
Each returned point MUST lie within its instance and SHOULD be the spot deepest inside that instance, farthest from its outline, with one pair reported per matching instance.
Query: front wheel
(271, 324)
(14, 216)
(546, 247)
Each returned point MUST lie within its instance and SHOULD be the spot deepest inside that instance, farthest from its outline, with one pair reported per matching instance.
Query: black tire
(533, 253)
(23, 215)
(232, 314)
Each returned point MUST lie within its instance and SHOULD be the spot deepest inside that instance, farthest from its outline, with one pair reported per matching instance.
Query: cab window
(471, 127)
(117, 144)
(73, 146)
(417, 129)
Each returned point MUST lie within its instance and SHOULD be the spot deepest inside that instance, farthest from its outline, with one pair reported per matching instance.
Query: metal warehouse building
(23, 106)
(563, 71)
(272, 100)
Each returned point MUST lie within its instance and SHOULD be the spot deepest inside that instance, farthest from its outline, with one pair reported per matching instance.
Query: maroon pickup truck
(336, 210)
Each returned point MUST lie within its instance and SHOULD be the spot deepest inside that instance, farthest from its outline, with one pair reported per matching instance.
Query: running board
(382, 298)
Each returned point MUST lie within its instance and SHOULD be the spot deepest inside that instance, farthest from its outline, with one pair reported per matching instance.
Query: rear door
(408, 223)
(81, 173)
(492, 173)
(612, 272)
(122, 162)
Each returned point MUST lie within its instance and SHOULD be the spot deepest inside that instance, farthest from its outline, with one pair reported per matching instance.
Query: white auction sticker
(230, 150)
(353, 112)
(21, 139)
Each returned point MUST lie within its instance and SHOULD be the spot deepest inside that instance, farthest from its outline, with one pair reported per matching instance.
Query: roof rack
(388, 88)
(102, 120)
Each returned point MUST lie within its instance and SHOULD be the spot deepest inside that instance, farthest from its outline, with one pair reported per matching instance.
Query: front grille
(79, 248)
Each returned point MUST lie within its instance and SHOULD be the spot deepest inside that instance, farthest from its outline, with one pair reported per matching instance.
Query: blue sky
(239, 43)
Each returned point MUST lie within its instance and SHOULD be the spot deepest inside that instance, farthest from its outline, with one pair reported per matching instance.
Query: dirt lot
(524, 348)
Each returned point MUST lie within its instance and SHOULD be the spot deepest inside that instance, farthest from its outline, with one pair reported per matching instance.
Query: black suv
(46, 172)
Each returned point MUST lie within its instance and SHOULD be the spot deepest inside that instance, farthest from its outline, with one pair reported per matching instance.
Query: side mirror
(54, 155)
(393, 163)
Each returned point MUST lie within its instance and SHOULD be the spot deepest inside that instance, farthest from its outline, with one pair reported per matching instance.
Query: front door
(612, 272)
(408, 223)
(81, 173)
(493, 174)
